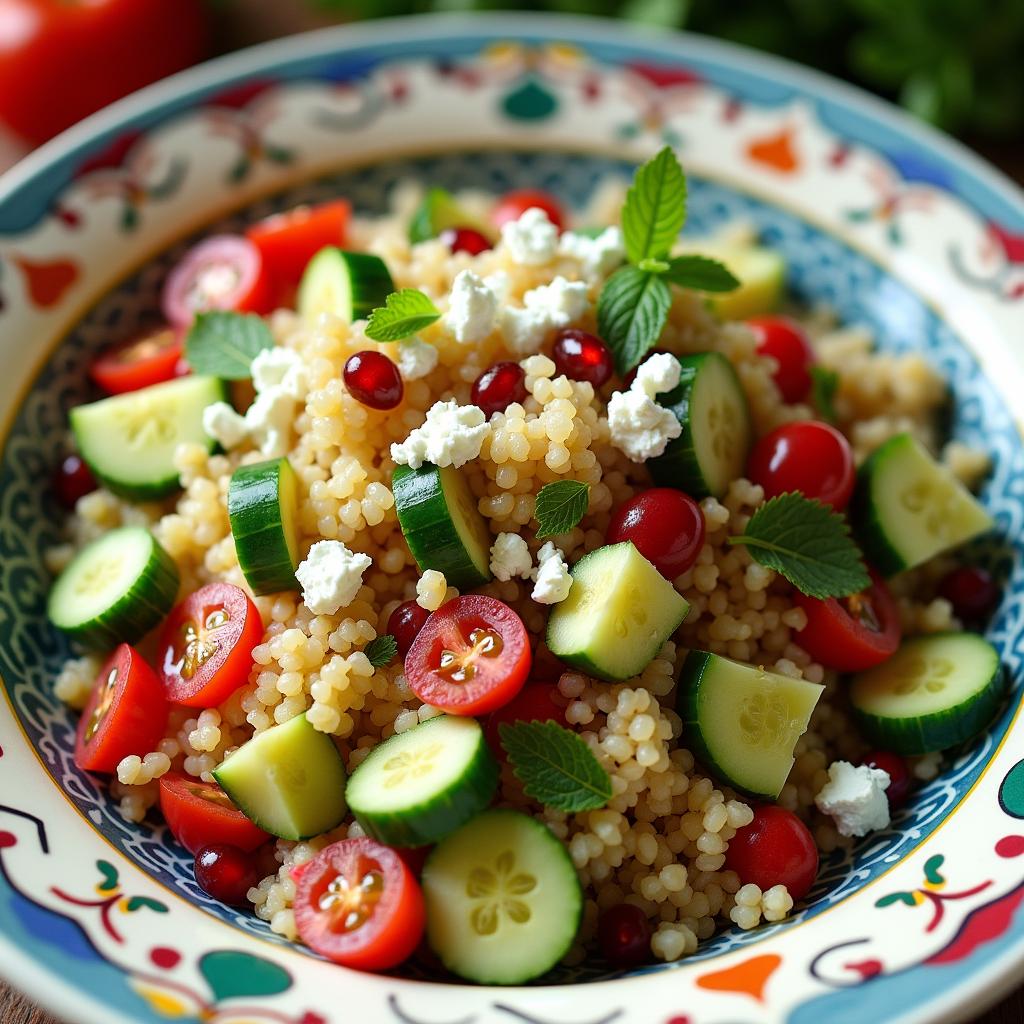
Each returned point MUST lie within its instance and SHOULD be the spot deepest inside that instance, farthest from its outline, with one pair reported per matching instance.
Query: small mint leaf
(560, 506)
(655, 209)
(701, 274)
(631, 312)
(824, 384)
(404, 313)
(221, 344)
(381, 650)
(653, 266)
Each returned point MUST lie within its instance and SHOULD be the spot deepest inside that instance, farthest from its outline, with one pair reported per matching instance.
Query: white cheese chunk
(545, 309)
(854, 797)
(280, 368)
(597, 257)
(270, 419)
(552, 581)
(472, 308)
(451, 436)
(640, 427)
(415, 358)
(658, 373)
(330, 576)
(532, 240)
(225, 426)
(510, 557)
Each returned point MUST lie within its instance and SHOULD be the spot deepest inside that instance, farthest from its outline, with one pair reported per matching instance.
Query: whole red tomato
(61, 60)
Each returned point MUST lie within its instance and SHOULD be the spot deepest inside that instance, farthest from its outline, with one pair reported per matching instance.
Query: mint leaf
(224, 344)
(807, 543)
(701, 274)
(823, 390)
(381, 650)
(631, 312)
(555, 766)
(655, 209)
(405, 312)
(560, 506)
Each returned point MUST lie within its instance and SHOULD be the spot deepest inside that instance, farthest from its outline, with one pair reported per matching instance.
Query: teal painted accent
(231, 974)
(530, 102)
(1011, 792)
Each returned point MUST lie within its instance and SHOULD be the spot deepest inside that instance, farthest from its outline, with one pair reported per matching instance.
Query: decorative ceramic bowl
(887, 222)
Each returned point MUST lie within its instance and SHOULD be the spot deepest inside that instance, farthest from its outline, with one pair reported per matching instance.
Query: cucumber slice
(115, 590)
(712, 450)
(438, 212)
(744, 722)
(442, 524)
(421, 785)
(263, 504)
(289, 780)
(762, 276)
(129, 440)
(934, 692)
(907, 507)
(347, 284)
(503, 899)
(618, 614)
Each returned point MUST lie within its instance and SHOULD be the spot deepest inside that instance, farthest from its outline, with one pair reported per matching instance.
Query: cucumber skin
(253, 496)
(434, 542)
(869, 530)
(440, 211)
(431, 821)
(368, 281)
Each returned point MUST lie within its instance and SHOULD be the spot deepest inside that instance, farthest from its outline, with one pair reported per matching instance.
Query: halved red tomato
(206, 645)
(126, 713)
(852, 633)
(535, 702)
(200, 813)
(471, 656)
(512, 205)
(357, 904)
(288, 241)
(152, 358)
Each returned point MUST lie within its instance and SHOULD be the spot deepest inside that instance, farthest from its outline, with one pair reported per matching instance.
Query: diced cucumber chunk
(442, 524)
(744, 722)
(503, 899)
(289, 780)
(421, 785)
(711, 408)
(619, 613)
(762, 276)
(129, 440)
(346, 284)
(438, 212)
(115, 590)
(908, 508)
(263, 505)
(934, 692)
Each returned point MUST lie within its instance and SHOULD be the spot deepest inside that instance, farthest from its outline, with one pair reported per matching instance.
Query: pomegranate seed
(498, 387)
(371, 378)
(666, 527)
(785, 341)
(971, 591)
(73, 480)
(899, 776)
(624, 935)
(581, 356)
(465, 240)
(404, 624)
(631, 376)
(226, 873)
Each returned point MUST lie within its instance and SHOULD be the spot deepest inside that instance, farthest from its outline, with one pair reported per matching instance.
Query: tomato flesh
(852, 633)
(150, 359)
(514, 204)
(776, 848)
(535, 702)
(471, 656)
(288, 241)
(126, 713)
(358, 904)
(785, 341)
(206, 645)
(200, 813)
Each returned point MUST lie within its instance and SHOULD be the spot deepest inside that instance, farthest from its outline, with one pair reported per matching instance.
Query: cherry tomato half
(206, 645)
(471, 656)
(776, 848)
(535, 702)
(151, 358)
(126, 713)
(200, 813)
(513, 205)
(851, 633)
(359, 905)
(785, 341)
(288, 241)
(221, 272)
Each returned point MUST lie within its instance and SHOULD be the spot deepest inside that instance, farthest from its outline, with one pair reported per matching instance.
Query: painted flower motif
(495, 894)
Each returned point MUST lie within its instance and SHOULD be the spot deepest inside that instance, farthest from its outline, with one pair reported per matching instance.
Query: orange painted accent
(47, 282)
(748, 978)
(776, 151)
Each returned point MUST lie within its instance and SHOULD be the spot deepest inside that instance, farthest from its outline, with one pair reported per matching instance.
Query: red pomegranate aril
(776, 848)
(971, 591)
(498, 387)
(371, 378)
(465, 240)
(666, 527)
(900, 781)
(582, 356)
(786, 342)
(73, 480)
(624, 936)
(404, 624)
(226, 873)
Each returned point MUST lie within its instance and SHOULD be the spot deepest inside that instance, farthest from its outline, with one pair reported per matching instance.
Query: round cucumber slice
(934, 692)
(503, 899)
(347, 284)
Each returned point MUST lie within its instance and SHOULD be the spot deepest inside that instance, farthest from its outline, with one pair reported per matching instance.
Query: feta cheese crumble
(415, 358)
(545, 309)
(532, 240)
(431, 588)
(552, 581)
(639, 426)
(510, 557)
(227, 427)
(661, 372)
(855, 798)
(282, 368)
(597, 257)
(452, 435)
(330, 576)
(472, 308)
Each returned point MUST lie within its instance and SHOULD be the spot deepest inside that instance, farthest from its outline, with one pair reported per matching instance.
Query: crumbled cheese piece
(855, 798)
(280, 368)
(551, 577)
(472, 308)
(330, 576)
(415, 358)
(658, 373)
(599, 256)
(545, 309)
(269, 421)
(225, 426)
(430, 590)
(499, 283)
(532, 240)
(927, 767)
(510, 557)
(639, 426)
(451, 436)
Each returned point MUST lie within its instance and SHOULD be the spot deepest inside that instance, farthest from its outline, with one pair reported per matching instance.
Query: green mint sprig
(224, 344)
(404, 313)
(381, 650)
(824, 384)
(560, 506)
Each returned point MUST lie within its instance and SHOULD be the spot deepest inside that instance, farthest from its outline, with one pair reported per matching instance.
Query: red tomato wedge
(853, 633)
(206, 645)
(512, 205)
(200, 813)
(471, 656)
(535, 702)
(288, 241)
(126, 713)
(151, 358)
(357, 904)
